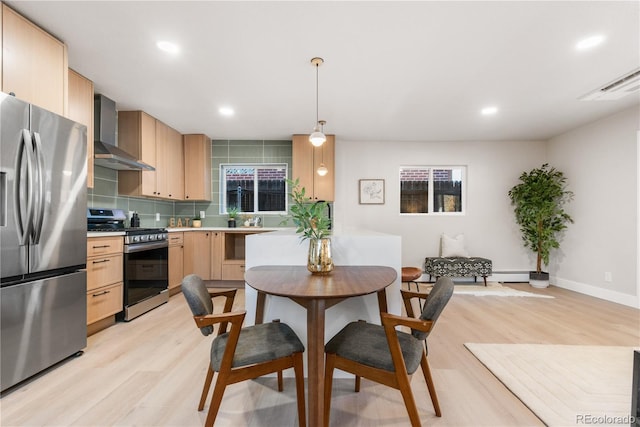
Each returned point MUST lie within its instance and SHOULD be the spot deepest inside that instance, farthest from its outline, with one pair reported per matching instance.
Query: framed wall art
(371, 191)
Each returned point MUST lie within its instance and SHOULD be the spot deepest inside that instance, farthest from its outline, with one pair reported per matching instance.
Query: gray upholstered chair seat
(257, 344)
(370, 339)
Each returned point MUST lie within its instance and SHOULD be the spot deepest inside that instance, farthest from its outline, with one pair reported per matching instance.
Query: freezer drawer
(42, 322)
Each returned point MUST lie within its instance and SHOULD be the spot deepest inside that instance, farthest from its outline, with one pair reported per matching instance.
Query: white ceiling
(393, 71)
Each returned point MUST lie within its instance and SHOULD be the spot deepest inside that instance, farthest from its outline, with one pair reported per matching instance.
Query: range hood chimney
(106, 153)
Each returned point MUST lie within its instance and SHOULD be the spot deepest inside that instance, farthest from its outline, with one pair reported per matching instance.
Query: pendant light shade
(317, 138)
(322, 170)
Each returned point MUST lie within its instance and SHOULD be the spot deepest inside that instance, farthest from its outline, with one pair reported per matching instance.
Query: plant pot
(320, 260)
(231, 223)
(197, 223)
(539, 280)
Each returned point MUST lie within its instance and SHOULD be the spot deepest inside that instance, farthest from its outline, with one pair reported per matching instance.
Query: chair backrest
(436, 301)
(197, 296)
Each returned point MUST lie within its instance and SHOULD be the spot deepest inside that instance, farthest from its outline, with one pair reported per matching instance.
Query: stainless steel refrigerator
(43, 231)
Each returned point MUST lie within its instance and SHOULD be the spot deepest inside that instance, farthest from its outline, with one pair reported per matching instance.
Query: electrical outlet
(157, 216)
(202, 214)
(608, 276)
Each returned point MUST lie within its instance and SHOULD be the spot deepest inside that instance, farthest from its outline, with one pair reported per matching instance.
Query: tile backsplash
(105, 191)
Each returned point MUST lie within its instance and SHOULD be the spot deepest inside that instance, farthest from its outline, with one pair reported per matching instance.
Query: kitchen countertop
(228, 229)
(104, 233)
(178, 229)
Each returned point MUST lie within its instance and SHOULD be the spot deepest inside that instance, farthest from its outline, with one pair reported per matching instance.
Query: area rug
(565, 385)
(494, 289)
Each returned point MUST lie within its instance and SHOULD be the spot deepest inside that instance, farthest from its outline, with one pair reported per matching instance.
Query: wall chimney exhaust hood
(105, 151)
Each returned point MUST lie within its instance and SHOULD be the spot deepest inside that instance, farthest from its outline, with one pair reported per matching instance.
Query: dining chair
(242, 353)
(388, 356)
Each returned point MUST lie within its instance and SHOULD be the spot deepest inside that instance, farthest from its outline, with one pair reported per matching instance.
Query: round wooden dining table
(317, 293)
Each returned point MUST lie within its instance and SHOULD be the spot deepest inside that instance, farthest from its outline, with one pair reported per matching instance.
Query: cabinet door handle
(101, 293)
(101, 261)
(101, 246)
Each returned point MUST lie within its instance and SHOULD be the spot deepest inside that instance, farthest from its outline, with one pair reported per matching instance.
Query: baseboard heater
(509, 276)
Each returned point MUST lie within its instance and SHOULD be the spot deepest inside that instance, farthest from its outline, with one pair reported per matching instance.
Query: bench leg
(485, 280)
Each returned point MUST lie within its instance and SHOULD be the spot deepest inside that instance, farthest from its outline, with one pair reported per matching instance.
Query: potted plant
(538, 202)
(313, 224)
(197, 222)
(232, 213)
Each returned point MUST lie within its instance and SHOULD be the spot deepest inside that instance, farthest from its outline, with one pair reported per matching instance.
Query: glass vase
(319, 260)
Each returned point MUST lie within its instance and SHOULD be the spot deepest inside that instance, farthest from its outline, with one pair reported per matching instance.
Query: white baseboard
(605, 294)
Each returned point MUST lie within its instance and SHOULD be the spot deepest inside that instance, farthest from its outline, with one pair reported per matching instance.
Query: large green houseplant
(311, 223)
(539, 201)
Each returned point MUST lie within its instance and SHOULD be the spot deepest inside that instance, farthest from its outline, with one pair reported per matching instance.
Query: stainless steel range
(146, 261)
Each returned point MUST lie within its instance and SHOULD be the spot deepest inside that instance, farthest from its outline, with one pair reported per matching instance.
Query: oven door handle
(140, 247)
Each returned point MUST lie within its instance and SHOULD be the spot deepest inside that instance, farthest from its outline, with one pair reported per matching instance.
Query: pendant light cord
(317, 94)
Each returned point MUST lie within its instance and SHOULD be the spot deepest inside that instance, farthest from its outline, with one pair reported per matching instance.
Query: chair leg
(329, 365)
(299, 374)
(407, 395)
(357, 384)
(205, 389)
(216, 399)
(426, 371)
(280, 386)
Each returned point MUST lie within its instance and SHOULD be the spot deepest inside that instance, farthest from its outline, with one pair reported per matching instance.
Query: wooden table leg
(260, 308)
(315, 361)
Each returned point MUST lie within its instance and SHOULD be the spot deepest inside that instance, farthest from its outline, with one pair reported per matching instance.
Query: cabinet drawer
(176, 239)
(233, 271)
(104, 302)
(97, 246)
(102, 271)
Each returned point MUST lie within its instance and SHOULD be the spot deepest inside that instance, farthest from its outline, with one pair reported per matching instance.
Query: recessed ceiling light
(226, 111)
(489, 111)
(590, 42)
(168, 47)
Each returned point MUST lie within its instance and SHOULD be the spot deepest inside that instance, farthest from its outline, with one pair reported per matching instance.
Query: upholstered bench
(458, 267)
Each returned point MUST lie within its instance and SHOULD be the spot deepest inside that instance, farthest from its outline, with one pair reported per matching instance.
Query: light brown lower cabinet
(214, 255)
(104, 302)
(176, 261)
(104, 281)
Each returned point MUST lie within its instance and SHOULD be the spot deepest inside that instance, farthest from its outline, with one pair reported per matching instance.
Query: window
(253, 188)
(432, 189)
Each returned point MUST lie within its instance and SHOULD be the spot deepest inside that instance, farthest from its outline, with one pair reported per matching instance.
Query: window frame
(222, 186)
(431, 194)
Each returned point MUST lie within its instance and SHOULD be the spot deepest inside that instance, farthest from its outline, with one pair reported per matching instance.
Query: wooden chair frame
(229, 375)
(399, 379)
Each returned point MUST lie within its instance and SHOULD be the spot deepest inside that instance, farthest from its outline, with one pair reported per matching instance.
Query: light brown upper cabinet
(156, 144)
(174, 163)
(307, 159)
(81, 111)
(197, 167)
(34, 63)
(137, 136)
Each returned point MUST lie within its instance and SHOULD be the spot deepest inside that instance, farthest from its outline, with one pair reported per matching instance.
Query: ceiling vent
(616, 89)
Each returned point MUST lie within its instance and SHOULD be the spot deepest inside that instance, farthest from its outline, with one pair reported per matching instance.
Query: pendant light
(317, 138)
(322, 169)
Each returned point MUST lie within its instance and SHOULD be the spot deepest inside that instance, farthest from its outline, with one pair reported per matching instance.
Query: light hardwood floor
(149, 372)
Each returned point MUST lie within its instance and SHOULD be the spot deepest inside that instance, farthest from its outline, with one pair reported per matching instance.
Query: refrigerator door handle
(40, 192)
(24, 150)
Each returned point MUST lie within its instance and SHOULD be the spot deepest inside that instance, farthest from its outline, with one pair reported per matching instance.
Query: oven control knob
(144, 238)
(152, 237)
(135, 238)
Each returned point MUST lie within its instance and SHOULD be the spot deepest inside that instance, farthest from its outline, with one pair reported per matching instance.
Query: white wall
(600, 161)
(492, 169)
